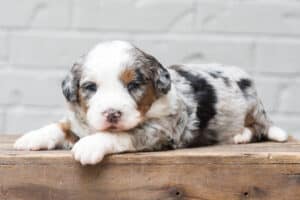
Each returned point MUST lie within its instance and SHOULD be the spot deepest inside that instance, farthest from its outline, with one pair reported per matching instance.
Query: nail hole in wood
(176, 192)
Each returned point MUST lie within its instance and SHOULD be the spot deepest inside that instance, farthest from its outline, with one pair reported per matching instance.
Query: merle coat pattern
(121, 99)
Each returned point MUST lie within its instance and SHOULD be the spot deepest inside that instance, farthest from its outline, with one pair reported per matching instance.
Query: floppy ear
(161, 77)
(162, 81)
(70, 84)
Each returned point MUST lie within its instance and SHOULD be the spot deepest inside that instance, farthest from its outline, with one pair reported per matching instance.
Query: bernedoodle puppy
(121, 99)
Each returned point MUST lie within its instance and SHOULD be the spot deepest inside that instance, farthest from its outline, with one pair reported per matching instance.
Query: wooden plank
(251, 171)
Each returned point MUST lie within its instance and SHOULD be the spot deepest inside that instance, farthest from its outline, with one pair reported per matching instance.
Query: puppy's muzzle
(112, 116)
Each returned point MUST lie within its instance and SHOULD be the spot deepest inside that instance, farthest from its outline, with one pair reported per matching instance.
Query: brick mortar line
(277, 75)
(53, 70)
(163, 35)
(284, 76)
(34, 108)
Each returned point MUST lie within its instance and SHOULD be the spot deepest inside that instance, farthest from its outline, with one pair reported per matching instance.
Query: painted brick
(20, 120)
(35, 13)
(40, 39)
(60, 50)
(3, 46)
(290, 98)
(289, 123)
(204, 50)
(268, 90)
(273, 17)
(31, 88)
(281, 56)
(143, 15)
(1, 122)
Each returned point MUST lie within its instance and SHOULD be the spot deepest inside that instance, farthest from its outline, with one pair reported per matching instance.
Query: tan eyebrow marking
(145, 102)
(127, 76)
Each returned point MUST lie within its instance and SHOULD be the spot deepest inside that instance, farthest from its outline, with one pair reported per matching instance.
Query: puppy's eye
(133, 85)
(89, 86)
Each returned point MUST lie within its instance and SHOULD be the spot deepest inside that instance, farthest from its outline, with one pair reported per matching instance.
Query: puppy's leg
(49, 137)
(262, 127)
(244, 137)
(277, 134)
(91, 149)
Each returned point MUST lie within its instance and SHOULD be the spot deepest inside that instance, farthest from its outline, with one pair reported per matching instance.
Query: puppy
(121, 99)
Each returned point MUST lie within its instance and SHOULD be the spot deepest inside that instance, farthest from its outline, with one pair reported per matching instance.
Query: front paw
(45, 138)
(89, 150)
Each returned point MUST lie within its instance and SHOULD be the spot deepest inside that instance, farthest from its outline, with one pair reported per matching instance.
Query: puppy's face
(115, 85)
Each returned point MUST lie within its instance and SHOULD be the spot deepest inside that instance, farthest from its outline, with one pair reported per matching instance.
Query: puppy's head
(114, 86)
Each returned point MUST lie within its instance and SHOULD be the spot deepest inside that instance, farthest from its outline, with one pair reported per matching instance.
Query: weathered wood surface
(252, 171)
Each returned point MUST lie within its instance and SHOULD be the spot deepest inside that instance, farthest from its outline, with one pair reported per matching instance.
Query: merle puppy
(121, 99)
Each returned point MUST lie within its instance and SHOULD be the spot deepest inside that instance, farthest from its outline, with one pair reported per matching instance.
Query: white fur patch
(47, 137)
(91, 149)
(103, 65)
(243, 138)
(277, 134)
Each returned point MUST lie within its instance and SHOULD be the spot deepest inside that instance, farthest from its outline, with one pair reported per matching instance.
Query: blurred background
(40, 39)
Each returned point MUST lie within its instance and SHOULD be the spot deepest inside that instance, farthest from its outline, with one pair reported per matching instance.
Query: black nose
(112, 116)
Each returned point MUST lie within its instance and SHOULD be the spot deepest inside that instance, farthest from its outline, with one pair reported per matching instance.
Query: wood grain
(252, 171)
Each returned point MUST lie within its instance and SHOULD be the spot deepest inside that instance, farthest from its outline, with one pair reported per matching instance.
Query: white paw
(90, 150)
(277, 134)
(243, 138)
(45, 138)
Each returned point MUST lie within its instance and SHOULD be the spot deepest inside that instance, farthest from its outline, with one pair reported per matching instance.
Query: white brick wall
(278, 55)
(3, 46)
(129, 15)
(39, 40)
(35, 13)
(20, 119)
(257, 16)
(36, 88)
(197, 49)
